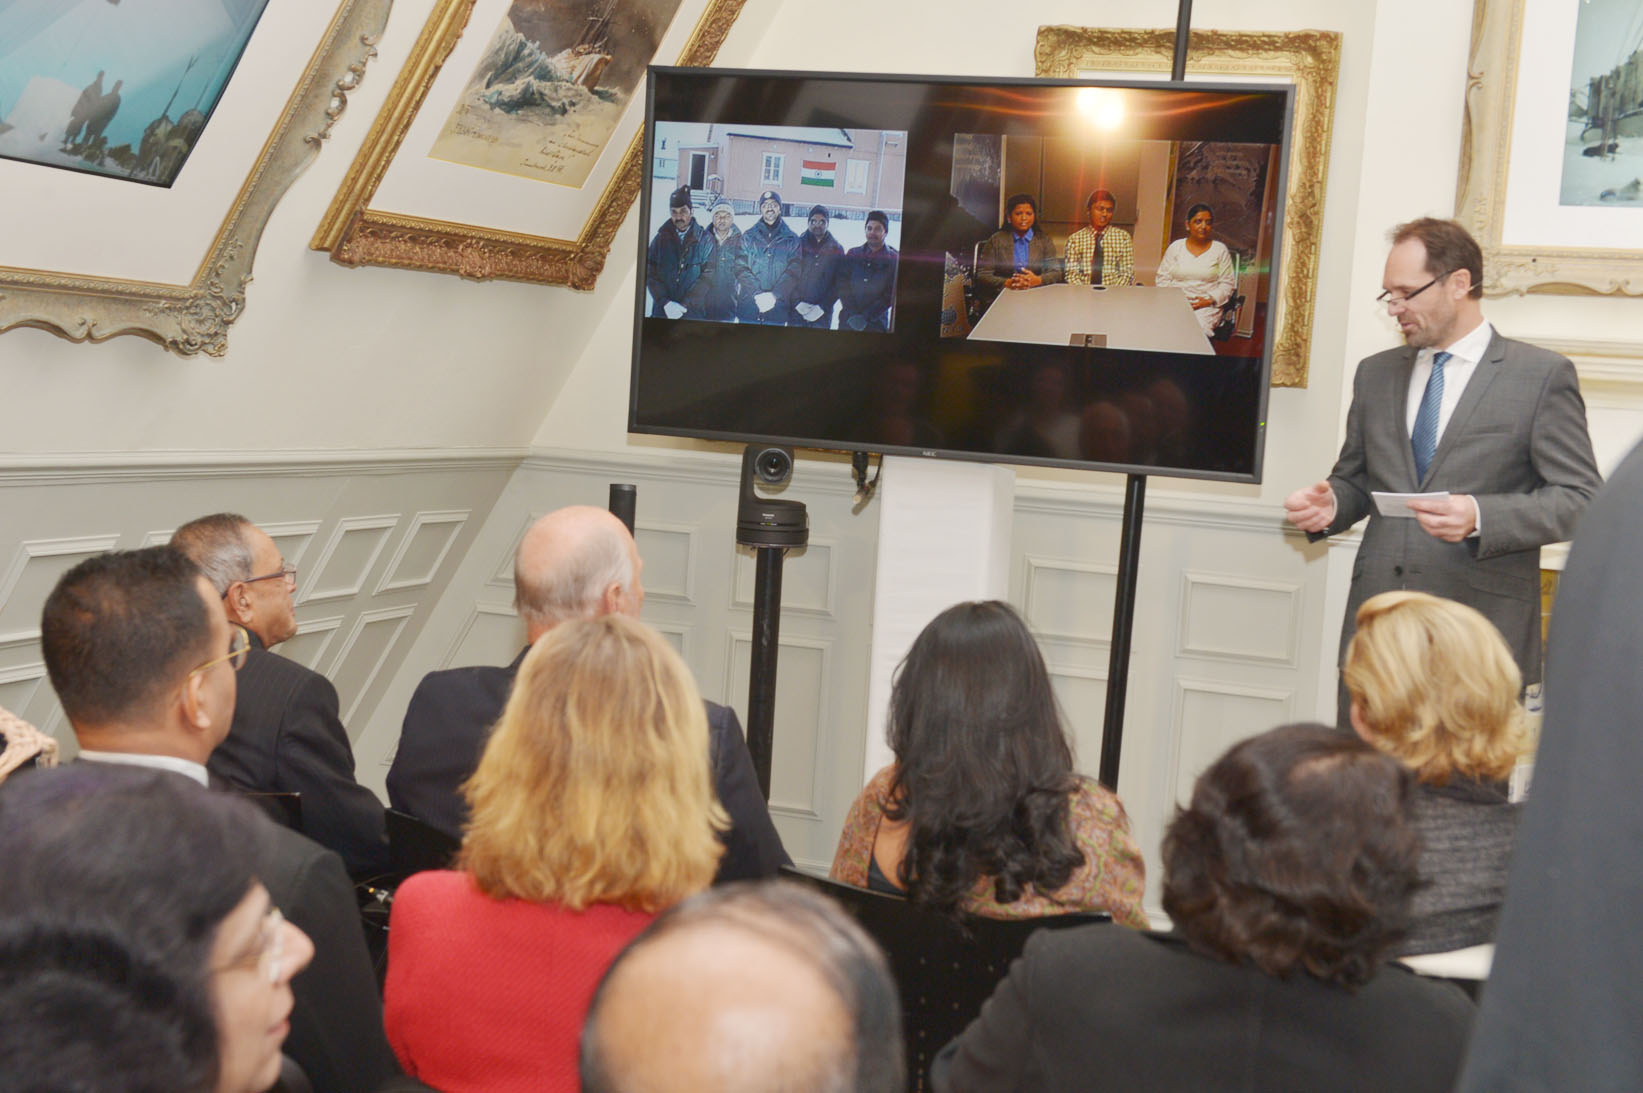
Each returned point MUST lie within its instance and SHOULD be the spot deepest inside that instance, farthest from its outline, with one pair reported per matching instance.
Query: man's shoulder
(461, 685)
(1519, 354)
(268, 670)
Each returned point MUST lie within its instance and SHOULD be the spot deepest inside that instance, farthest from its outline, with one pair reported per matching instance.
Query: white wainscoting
(375, 538)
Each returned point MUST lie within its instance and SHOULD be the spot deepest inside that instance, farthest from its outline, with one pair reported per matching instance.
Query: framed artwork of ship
(1552, 146)
(509, 147)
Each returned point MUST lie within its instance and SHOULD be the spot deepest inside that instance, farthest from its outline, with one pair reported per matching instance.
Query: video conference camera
(768, 521)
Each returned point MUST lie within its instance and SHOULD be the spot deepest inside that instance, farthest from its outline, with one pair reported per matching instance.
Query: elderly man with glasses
(287, 736)
(1490, 434)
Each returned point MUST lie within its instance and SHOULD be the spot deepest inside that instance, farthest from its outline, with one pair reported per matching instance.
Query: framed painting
(510, 145)
(122, 128)
(1551, 163)
(1309, 59)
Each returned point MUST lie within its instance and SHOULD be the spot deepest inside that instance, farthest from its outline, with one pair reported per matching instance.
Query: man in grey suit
(1495, 428)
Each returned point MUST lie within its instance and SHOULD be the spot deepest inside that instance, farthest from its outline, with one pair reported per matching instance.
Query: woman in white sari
(1200, 266)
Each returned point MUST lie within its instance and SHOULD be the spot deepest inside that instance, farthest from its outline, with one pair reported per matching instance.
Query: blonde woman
(1434, 686)
(592, 810)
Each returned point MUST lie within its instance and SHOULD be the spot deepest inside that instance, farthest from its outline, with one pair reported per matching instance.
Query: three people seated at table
(982, 812)
(1021, 255)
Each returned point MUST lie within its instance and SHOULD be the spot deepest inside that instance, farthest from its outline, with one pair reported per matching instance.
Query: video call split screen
(1037, 271)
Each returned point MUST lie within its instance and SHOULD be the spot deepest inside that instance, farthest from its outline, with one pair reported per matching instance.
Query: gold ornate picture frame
(1507, 71)
(194, 317)
(1309, 59)
(356, 233)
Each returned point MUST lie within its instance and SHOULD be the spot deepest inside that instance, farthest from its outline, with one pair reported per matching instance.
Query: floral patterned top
(1111, 879)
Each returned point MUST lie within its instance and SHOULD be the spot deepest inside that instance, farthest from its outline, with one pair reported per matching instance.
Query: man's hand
(764, 301)
(1451, 519)
(673, 309)
(810, 311)
(1024, 278)
(1311, 509)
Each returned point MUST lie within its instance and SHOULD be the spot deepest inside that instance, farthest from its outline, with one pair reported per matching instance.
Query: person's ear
(1460, 283)
(1354, 715)
(193, 703)
(610, 601)
(237, 602)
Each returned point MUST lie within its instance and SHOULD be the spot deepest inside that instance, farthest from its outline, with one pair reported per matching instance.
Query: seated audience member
(725, 272)
(1560, 1010)
(674, 260)
(1288, 878)
(1200, 266)
(574, 563)
(745, 989)
(25, 745)
(982, 812)
(287, 736)
(1434, 686)
(1100, 254)
(866, 284)
(1018, 255)
(143, 660)
(815, 293)
(134, 934)
(592, 811)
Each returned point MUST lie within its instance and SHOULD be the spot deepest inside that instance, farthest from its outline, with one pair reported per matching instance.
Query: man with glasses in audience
(143, 659)
(287, 735)
(1489, 433)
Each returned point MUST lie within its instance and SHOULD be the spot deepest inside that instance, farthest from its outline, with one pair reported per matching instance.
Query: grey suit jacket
(1516, 441)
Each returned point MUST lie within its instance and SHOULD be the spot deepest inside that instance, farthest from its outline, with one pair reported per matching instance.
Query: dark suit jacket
(996, 263)
(1516, 441)
(1107, 1007)
(451, 715)
(287, 738)
(1561, 1008)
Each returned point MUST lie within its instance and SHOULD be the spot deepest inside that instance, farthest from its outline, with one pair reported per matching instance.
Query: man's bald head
(575, 563)
(763, 988)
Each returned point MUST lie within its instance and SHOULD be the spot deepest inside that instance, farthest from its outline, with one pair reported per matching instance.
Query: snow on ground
(1595, 180)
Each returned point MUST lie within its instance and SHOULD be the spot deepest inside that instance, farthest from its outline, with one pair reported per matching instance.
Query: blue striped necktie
(1424, 438)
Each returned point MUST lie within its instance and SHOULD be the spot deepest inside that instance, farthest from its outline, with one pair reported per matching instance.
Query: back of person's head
(594, 787)
(121, 631)
(1449, 247)
(131, 870)
(1296, 855)
(759, 987)
(83, 1009)
(1434, 685)
(220, 545)
(566, 561)
(983, 766)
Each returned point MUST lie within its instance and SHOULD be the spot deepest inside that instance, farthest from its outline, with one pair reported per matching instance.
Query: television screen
(1071, 273)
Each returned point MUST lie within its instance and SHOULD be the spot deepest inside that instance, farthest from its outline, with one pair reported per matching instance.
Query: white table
(1128, 316)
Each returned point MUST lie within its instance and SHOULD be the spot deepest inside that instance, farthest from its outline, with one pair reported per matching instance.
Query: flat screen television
(1069, 273)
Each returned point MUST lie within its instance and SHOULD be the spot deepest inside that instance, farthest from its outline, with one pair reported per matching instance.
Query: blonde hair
(1436, 687)
(594, 787)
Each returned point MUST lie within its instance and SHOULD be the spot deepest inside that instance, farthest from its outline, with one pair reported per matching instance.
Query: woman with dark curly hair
(1289, 879)
(982, 812)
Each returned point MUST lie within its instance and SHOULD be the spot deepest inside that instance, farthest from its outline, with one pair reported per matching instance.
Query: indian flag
(818, 173)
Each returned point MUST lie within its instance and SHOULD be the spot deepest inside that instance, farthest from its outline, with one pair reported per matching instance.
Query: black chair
(417, 845)
(284, 809)
(944, 969)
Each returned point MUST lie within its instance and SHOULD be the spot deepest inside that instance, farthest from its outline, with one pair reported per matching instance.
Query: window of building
(772, 172)
(855, 179)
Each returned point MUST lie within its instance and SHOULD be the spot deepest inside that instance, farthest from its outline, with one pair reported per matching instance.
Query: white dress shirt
(172, 763)
(1464, 355)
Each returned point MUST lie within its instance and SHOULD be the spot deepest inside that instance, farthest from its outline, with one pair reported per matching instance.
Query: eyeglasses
(289, 572)
(239, 646)
(1392, 299)
(269, 955)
